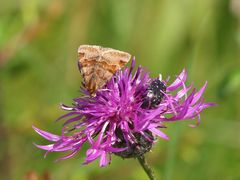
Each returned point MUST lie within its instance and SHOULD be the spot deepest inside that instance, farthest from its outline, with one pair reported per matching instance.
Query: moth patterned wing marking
(87, 52)
(115, 57)
(88, 55)
(98, 78)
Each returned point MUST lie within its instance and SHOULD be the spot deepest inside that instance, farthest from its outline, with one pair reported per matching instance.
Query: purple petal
(92, 154)
(77, 118)
(182, 92)
(67, 156)
(47, 135)
(103, 160)
(67, 115)
(101, 134)
(206, 105)
(132, 65)
(50, 147)
(159, 133)
(178, 82)
(45, 147)
(198, 95)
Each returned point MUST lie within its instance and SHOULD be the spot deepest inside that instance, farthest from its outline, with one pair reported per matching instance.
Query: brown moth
(98, 64)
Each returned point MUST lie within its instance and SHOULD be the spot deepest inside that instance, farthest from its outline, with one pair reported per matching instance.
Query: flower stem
(146, 167)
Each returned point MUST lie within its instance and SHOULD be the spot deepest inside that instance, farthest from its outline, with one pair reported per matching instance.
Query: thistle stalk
(148, 170)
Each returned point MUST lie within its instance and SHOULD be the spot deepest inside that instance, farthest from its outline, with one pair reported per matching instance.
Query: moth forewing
(86, 52)
(116, 57)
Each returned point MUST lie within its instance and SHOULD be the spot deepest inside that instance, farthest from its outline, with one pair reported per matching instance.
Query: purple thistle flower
(126, 116)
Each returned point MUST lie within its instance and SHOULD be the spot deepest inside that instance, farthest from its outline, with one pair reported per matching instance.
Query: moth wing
(115, 57)
(88, 55)
(88, 52)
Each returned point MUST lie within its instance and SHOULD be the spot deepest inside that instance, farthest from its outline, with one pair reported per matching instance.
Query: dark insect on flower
(139, 147)
(154, 94)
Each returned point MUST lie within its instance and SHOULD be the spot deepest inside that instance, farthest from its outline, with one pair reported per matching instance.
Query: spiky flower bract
(115, 120)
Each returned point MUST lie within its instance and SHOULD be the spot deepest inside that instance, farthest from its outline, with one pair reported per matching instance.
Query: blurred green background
(38, 70)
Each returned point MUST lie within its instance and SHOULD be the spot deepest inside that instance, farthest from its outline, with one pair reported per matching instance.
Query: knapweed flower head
(126, 117)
